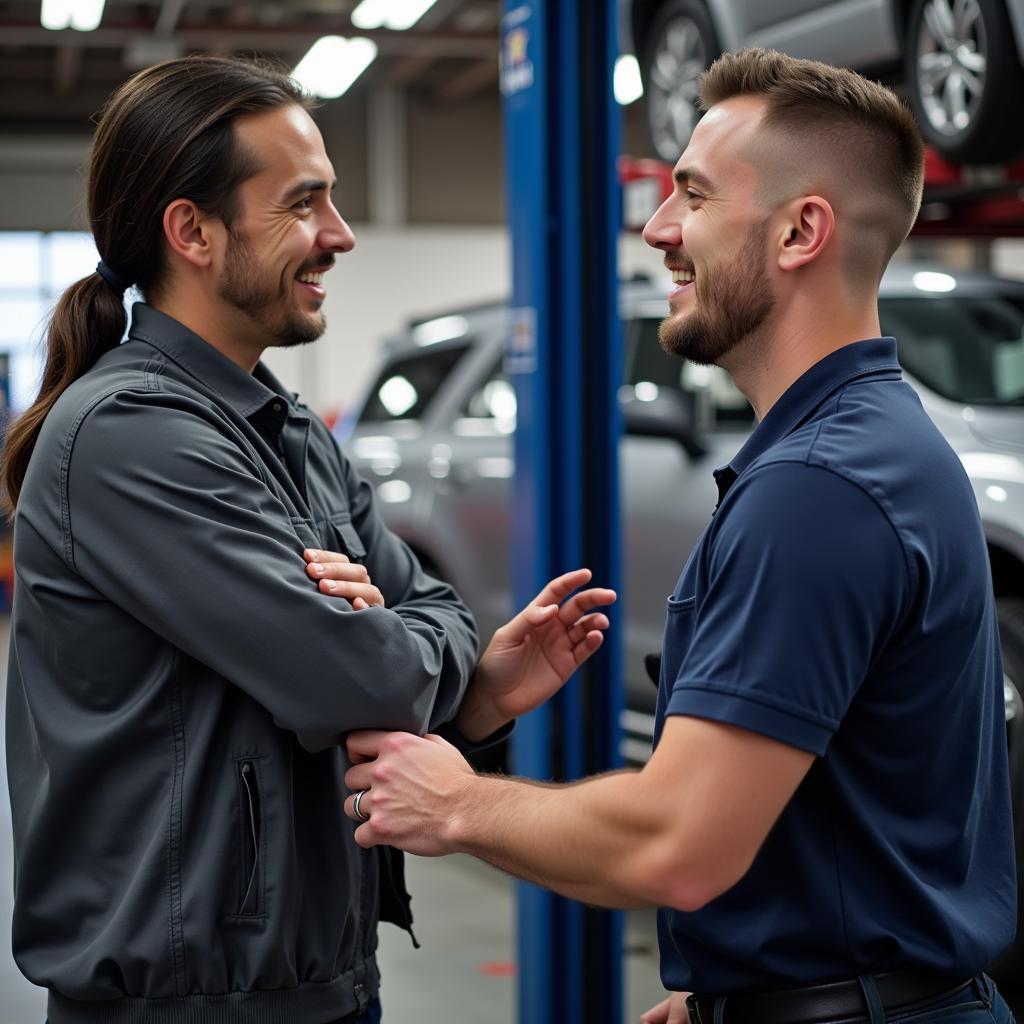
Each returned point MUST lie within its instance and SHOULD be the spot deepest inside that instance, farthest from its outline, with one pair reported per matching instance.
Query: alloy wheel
(952, 64)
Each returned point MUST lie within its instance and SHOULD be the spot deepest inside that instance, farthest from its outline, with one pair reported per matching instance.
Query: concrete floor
(464, 922)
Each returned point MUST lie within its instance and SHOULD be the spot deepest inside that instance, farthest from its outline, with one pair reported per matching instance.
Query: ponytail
(88, 320)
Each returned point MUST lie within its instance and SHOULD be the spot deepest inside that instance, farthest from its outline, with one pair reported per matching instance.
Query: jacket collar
(246, 393)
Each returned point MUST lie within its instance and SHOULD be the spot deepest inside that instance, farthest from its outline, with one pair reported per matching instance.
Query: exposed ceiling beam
(408, 69)
(167, 20)
(469, 82)
(66, 66)
(254, 37)
(438, 13)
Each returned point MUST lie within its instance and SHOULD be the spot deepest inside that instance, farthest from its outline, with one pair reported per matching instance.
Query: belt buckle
(694, 1010)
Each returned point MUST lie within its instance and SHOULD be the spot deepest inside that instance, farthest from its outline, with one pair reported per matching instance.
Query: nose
(335, 234)
(664, 230)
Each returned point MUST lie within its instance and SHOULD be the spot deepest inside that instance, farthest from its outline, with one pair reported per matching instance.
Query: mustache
(677, 262)
(324, 263)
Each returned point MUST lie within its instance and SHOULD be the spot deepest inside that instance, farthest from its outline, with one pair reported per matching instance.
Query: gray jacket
(179, 690)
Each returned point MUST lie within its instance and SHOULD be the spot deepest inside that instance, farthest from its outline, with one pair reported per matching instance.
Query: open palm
(530, 658)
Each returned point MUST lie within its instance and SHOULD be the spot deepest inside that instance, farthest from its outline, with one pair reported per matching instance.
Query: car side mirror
(666, 414)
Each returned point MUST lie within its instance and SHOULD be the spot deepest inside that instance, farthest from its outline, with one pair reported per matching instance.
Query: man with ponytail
(207, 602)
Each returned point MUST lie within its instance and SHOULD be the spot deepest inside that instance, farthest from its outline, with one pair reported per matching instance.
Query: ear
(809, 225)
(190, 233)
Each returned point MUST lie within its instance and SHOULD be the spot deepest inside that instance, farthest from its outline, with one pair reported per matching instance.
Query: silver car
(434, 435)
(957, 60)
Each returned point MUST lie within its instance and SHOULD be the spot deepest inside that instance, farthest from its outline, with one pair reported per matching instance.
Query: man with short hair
(825, 819)
(208, 600)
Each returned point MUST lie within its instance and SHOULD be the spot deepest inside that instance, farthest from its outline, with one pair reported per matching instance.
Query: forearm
(590, 841)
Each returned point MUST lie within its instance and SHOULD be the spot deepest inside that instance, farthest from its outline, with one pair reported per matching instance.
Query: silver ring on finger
(356, 809)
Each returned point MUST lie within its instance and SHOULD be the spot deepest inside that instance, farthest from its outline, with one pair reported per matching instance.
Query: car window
(718, 403)
(492, 403)
(966, 348)
(407, 385)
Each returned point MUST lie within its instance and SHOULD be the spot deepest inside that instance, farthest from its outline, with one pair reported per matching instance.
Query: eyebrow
(309, 185)
(687, 174)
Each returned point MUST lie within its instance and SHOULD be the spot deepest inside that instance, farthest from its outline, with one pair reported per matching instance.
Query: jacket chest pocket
(342, 534)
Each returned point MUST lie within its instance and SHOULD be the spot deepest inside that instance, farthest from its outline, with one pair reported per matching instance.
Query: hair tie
(113, 278)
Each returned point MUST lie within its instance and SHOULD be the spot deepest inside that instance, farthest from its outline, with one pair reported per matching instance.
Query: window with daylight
(35, 268)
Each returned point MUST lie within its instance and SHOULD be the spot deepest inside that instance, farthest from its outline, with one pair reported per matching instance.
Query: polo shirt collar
(247, 393)
(800, 400)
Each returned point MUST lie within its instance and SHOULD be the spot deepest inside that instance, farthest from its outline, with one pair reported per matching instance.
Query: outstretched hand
(532, 656)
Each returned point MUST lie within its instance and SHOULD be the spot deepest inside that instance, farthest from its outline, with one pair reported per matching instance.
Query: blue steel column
(564, 355)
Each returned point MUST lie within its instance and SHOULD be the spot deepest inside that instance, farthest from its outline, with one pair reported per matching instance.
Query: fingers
(333, 566)
(366, 592)
(586, 625)
(657, 1014)
(590, 643)
(365, 804)
(669, 1011)
(316, 555)
(584, 601)
(365, 744)
(556, 590)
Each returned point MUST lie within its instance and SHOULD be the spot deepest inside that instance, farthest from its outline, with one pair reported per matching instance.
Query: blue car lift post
(564, 356)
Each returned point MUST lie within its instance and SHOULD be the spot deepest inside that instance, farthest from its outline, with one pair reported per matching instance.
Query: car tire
(984, 125)
(677, 48)
(1008, 969)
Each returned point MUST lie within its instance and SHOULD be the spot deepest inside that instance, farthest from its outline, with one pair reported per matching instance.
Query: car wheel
(1008, 968)
(965, 80)
(678, 47)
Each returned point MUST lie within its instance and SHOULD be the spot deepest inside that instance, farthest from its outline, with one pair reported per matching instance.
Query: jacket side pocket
(250, 903)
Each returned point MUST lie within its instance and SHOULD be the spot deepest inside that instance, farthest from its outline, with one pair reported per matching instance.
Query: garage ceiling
(53, 83)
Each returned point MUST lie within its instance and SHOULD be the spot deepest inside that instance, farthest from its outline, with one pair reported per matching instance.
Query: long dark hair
(166, 134)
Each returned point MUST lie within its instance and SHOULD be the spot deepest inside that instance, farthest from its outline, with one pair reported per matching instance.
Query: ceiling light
(394, 14)
(333, 64)
(628, 86)
(83, 15)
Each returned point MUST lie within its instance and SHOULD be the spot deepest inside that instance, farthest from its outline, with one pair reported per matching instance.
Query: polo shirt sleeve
(806, 580)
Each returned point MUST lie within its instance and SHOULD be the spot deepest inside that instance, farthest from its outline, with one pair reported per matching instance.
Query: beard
(251, 288)
(733, 302)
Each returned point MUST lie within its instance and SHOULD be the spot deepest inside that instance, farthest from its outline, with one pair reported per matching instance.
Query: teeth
(683, 277)
(312, 278)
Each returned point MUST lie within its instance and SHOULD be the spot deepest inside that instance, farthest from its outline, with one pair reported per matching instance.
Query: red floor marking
(498, 969)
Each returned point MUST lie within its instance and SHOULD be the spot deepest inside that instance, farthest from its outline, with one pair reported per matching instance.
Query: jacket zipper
(251, 828)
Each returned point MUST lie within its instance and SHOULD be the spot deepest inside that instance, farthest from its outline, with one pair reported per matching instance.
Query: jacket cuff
(451, 732)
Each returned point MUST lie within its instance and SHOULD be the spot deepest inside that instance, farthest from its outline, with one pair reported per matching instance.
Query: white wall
(393, 274)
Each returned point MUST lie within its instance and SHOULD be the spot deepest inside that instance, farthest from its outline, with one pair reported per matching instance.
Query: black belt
(833, 1001)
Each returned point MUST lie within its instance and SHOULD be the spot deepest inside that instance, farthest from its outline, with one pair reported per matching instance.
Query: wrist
(462, 826)
(478, 717)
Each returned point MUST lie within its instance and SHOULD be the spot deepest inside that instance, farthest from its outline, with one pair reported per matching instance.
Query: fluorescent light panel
(333, 64)
(397, 15)
(83, 15)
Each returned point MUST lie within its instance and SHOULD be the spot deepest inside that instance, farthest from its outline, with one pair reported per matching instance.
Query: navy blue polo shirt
(840, 602)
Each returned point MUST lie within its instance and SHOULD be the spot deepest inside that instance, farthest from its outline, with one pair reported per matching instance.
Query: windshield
(406, 385)
(968, 349)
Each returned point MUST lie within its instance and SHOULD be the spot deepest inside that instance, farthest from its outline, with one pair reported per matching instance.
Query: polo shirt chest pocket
(680, 620)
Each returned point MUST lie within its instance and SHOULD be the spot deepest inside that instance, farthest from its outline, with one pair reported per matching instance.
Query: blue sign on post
(564, 356)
